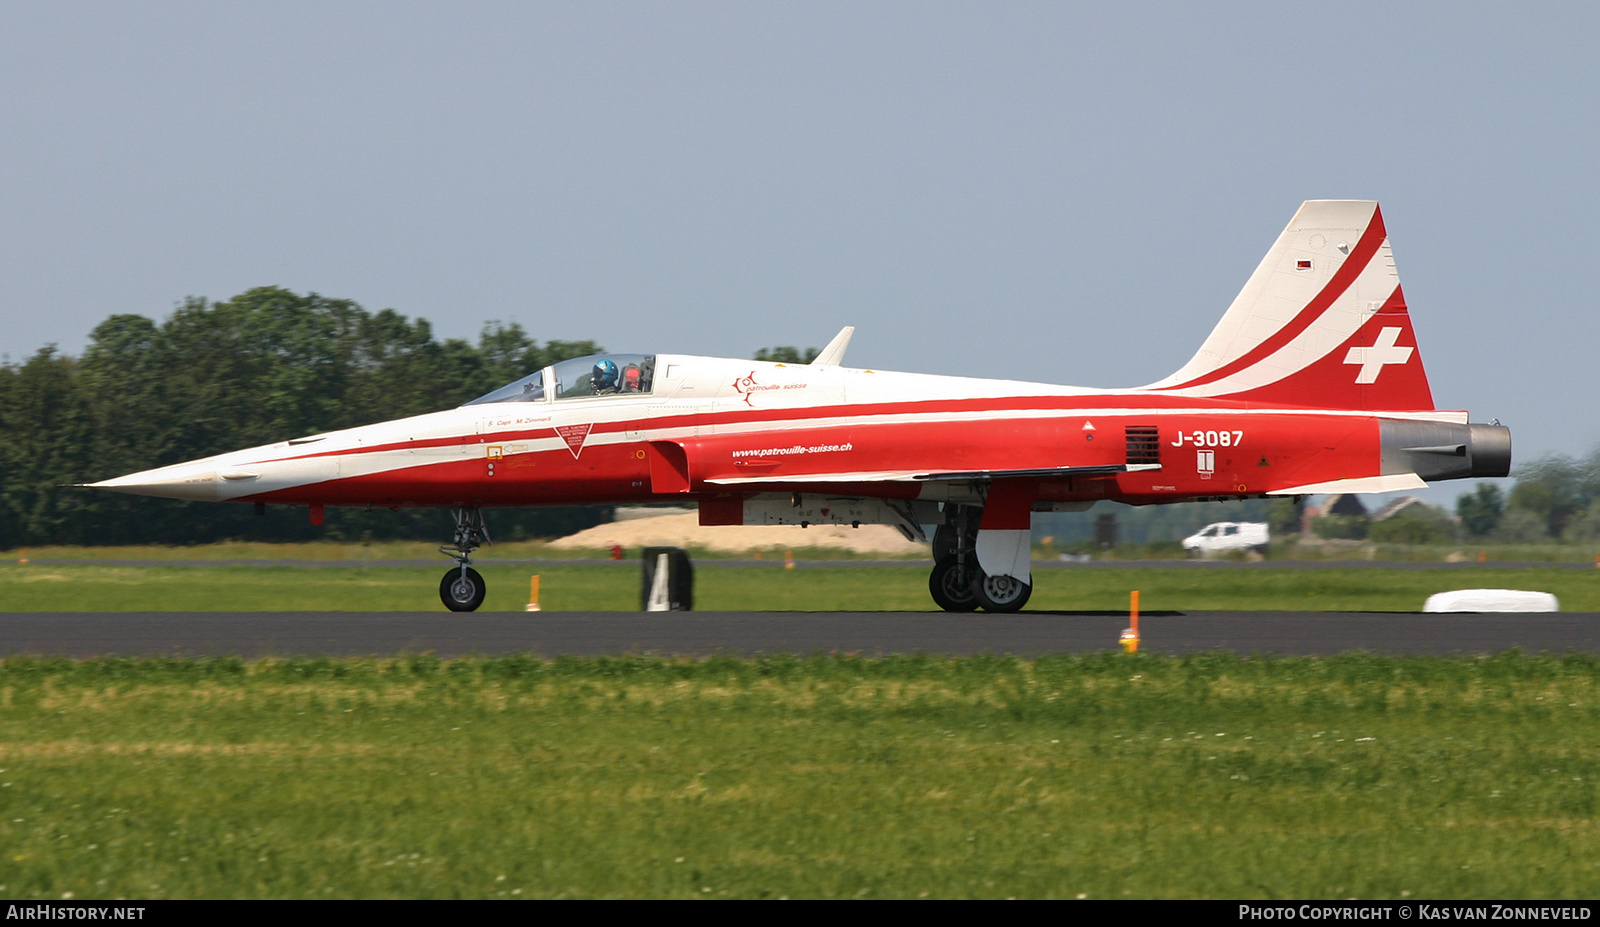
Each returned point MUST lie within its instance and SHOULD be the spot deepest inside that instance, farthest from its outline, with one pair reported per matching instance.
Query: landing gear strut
(462, 589)
(955, 559)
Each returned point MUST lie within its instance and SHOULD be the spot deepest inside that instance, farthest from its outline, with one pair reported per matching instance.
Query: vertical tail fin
(1322, 322)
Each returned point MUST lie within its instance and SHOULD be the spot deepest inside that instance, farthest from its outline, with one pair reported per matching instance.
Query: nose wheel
(462, 589)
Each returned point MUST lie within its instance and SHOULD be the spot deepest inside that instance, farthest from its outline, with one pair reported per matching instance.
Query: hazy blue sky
(1061, 192)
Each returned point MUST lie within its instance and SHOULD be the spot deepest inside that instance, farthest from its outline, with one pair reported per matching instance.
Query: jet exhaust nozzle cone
(1490, 450)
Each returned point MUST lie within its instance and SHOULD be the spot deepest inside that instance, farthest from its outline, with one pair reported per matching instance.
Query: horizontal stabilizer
(1394, 482)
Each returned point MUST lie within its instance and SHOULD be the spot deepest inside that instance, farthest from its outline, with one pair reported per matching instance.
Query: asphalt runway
(697, 634)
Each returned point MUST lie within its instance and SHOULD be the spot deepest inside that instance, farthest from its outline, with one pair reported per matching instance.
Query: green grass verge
(615, 587)
(1098, 776)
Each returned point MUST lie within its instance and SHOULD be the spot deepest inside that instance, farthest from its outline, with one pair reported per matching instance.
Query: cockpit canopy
(595, 375)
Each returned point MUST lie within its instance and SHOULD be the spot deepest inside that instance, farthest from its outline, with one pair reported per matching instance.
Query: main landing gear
(957, 583)
(462, 589)
(951, 584)
(1000, 593)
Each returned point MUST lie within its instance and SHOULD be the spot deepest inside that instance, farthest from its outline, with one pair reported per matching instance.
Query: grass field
(44, 586)
(1102, 777)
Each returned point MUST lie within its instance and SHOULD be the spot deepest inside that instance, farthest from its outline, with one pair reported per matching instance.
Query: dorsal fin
(834, 352)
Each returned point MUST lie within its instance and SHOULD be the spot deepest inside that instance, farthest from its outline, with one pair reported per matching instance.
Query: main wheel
(951, 587)
(1000, 593)
(462, 590)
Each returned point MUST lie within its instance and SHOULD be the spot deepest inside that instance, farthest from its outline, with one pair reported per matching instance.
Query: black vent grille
(1144, 444)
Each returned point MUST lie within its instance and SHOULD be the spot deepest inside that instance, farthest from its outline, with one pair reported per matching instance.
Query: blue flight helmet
(605, 376)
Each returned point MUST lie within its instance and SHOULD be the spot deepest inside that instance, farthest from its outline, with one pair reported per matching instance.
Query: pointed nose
(179, 481)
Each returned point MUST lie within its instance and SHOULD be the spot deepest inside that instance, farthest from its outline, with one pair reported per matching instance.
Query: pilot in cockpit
(604, 378)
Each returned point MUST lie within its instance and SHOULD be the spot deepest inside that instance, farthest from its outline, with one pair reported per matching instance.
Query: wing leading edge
(922, 476)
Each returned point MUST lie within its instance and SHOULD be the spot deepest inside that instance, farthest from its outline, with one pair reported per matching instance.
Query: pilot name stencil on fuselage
(512, 422)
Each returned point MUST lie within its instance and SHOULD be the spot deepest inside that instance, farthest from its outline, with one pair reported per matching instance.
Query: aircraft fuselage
(715, 427)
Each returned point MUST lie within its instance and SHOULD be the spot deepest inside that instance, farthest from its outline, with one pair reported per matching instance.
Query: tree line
(266, 365)
(1556, 498)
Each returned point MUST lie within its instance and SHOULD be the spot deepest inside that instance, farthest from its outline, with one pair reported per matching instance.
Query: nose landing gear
(463, 589)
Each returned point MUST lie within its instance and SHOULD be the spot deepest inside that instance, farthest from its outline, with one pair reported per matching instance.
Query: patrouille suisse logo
(746, 386)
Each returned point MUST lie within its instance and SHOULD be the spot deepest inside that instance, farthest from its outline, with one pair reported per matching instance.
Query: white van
(1229, 535)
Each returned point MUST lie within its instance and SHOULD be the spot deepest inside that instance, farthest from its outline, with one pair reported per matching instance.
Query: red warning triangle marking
(574, 435)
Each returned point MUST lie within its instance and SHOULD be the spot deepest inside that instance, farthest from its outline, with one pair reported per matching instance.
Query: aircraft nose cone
(176, 482)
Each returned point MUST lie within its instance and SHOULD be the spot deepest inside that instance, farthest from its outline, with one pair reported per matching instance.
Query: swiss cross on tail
(1384, 351)
(1321, 323)
(1378, 368)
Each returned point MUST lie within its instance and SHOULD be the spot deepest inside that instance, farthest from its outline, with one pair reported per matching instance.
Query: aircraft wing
(1043, 473)
(896, 476)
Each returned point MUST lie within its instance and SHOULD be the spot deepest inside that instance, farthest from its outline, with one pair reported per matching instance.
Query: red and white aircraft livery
(1311, 383)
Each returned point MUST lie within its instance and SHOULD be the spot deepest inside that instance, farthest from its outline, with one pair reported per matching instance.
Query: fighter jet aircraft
(1312, 382)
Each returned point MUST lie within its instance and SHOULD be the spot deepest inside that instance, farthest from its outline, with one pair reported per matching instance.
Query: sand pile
(684, 531)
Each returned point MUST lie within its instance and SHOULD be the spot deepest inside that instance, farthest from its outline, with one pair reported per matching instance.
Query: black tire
(1000, 593)
(462, 593)
(950, 587)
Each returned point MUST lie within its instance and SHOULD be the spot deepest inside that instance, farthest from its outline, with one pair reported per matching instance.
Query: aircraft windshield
(528, 389)
(596, 375)
(604, 375)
